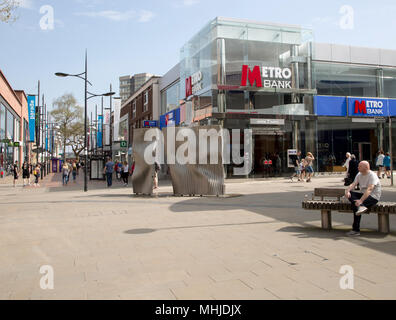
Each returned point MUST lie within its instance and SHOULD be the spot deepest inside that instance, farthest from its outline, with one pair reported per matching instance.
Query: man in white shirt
(362, 202)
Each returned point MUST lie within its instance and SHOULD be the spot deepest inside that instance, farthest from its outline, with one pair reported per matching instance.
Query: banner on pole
(32, 117)
(117, 111)
(100, 131)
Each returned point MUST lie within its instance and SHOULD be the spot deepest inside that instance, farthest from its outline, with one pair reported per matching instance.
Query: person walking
(296, 159)
(78, 167)
(74, 171)
(26, 174)
(65, 173)
(108, 171)
(346, 163)
(157, 169)
(125, 173)
(369, 196)
(387, 165)
(380, 163)
(352, 171)
(309, 166)
(36, 173)
(70, 167)
(16, 172)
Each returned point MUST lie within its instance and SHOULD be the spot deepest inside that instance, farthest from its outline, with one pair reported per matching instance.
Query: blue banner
(170, 119)
(330, 106)
(354, 106)
(100, 132)
(32, 117)
(46, 137)
(150, 123)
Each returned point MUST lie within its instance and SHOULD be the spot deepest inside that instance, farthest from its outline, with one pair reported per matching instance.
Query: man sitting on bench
(370, 187)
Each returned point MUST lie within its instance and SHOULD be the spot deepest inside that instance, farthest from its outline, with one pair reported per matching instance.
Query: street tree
(69, 117)
(76, 140)
(7, 9)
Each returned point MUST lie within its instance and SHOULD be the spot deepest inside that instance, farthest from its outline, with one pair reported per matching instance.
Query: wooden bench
(335, 203)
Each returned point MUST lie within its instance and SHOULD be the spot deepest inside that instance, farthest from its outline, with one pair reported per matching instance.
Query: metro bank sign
(267, 77)
(367, 107)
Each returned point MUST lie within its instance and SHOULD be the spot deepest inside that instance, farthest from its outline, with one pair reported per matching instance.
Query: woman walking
(387, 165)
(65, 174)
(380, 163)
(36, 173)
(16, 172)
(125, 173)
(308, 168)
(26, 174)
(74, 171)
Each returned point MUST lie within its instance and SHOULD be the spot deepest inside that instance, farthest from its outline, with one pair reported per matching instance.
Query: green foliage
(7, 8)
(69, 117)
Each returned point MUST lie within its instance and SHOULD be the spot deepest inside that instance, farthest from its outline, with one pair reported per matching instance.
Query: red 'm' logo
(188, 87)
(360, 107)
(254, 76)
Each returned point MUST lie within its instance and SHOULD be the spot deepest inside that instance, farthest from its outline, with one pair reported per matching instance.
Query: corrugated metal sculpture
(198, 178)
(142, 178)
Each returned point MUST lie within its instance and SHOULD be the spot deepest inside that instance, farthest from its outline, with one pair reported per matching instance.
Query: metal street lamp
(85, 78)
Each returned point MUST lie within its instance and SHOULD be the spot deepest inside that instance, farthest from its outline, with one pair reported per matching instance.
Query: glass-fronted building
(292, 92)
(13, 125)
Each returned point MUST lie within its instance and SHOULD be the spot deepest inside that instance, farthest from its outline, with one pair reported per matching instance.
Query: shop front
(253, 76)
(357, 125)
(268, 78)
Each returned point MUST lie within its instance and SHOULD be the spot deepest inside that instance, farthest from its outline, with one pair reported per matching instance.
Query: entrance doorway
(268, 154)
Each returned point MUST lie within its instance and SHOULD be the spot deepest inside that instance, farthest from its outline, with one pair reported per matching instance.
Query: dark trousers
(125, 176)
(109, 178)
(368, 203)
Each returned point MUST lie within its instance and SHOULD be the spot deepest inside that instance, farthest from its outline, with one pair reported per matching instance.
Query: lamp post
(85, 78)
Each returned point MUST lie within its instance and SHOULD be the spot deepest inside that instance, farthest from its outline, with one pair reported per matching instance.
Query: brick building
(144, 104)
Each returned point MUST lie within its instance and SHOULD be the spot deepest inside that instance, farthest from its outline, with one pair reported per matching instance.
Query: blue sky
(127, 37)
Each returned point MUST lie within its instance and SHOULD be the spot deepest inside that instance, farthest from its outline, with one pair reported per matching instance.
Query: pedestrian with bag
(65, 174)
(346, 163)
(26, 174)
(16, 172)
(380, 163)
(36, 173)
(387, 165)
(125, 173)
(108, 171)
(74, 171)
(157, 169)
(296, 159)
(309, 166)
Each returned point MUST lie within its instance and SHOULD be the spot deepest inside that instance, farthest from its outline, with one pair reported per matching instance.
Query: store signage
(280, 122)
(194, 84)
(123, 144)
(32, 117)
(367, 107)
(170, 119)
(150, 123)
(267, 77)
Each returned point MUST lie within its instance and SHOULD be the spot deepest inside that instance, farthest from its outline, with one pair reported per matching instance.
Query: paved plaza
(254, 243)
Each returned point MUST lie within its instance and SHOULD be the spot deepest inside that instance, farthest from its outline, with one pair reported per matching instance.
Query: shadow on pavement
(144, 230)
(269, 205)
